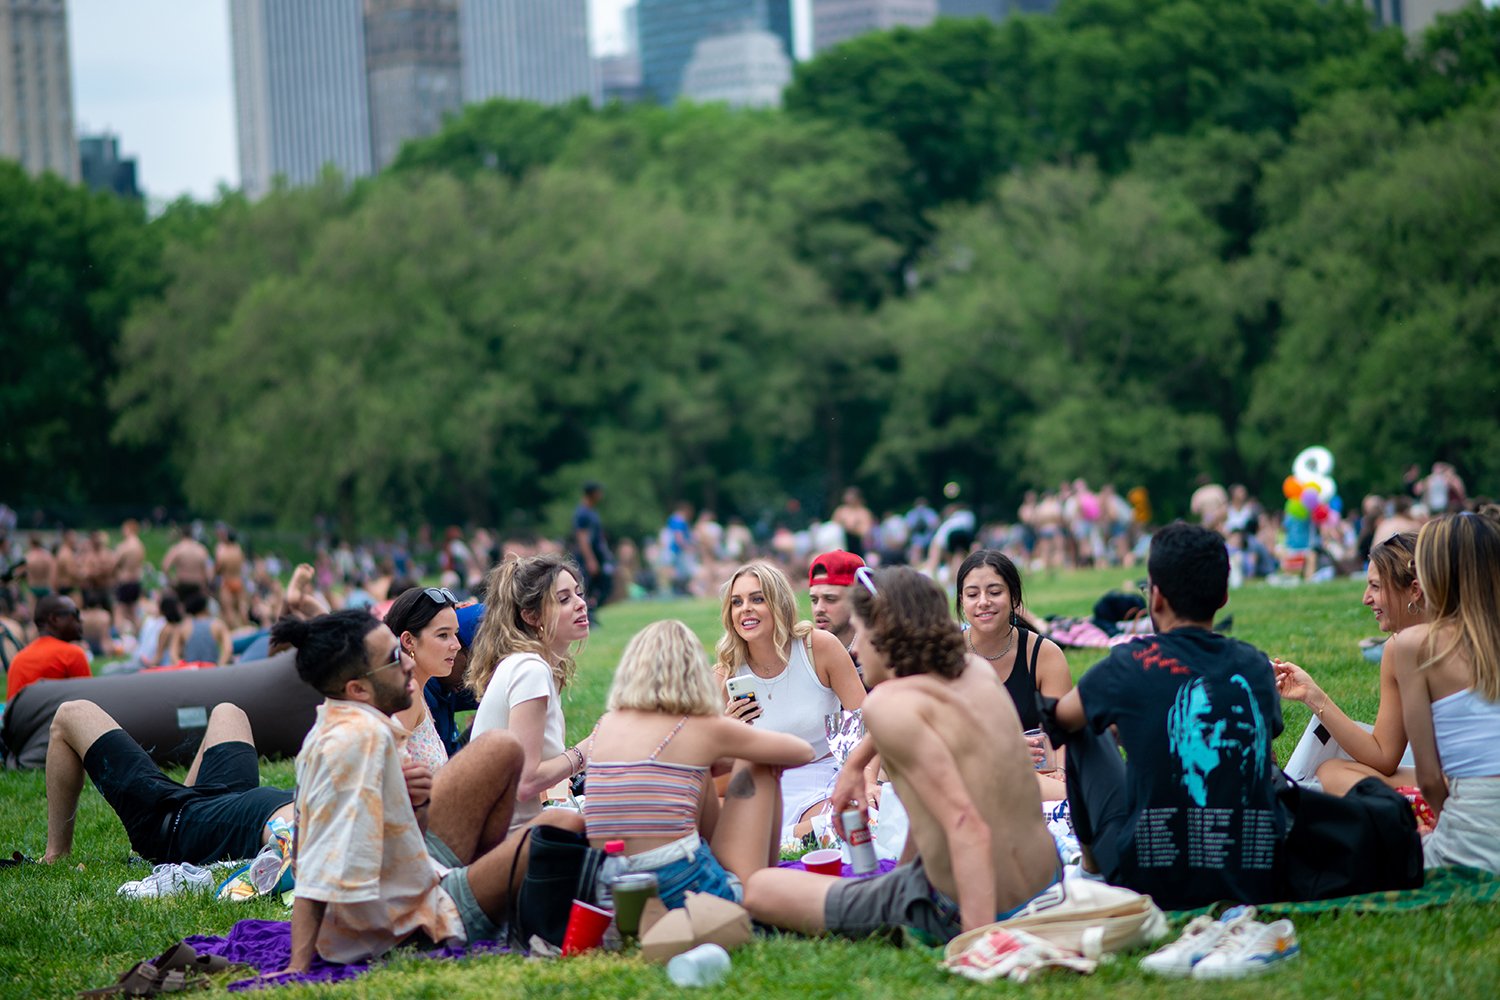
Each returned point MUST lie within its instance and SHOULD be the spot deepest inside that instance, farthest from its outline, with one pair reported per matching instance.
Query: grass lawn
(62, 929)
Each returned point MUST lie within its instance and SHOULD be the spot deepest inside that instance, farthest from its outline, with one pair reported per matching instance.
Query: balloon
(1088, 506)
(1325, 485)
(1337, 503)
(1296, 509)
(1320, 513)
(1291, 488)
(1310, 498)
(1313, 462)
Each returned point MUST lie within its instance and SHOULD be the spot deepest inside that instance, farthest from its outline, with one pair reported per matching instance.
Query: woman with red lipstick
(1393, 593)
(425, 623)
(521, 659)
(799, 674)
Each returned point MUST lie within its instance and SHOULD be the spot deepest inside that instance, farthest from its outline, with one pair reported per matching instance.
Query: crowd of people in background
(212, 600)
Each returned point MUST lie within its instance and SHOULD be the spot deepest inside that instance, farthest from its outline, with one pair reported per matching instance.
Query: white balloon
(1312, 464)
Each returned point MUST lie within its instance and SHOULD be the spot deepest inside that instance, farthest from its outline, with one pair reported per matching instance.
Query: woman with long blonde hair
(520, 662)
(799, 675)
(649, 759)
(1449, 675)
(1394, 595)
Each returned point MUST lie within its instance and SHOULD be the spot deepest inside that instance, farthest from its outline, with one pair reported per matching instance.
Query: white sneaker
(169, 880)
(1198, 938)
(1249, 949)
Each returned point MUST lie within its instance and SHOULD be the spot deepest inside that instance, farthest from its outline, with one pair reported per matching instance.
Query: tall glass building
(671, 29)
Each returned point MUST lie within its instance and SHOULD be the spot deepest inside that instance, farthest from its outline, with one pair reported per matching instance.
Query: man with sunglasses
(53, 655)
(385, 851)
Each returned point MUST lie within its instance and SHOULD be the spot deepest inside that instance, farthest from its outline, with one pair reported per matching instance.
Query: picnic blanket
(1440, 887)
(881, 867)
(266, 945)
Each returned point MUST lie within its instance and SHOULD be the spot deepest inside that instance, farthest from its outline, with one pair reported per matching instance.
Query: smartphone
(741, 687)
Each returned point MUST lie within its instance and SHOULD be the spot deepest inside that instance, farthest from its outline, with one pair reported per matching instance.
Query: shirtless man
(188, 562)
(39, 568)
(229, 560)
(65, 576)
(130, 565)
(856, 519)
(978, 850)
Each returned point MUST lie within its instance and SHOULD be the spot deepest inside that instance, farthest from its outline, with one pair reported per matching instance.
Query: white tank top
(795, 701)
(1468, 734)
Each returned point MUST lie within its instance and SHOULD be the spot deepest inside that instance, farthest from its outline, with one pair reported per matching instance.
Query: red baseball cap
(838, 567)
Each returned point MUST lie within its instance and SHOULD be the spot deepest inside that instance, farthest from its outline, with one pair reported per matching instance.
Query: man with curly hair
(950, 739)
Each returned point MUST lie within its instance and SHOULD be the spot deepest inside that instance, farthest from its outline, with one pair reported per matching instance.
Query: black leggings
(1096, 796)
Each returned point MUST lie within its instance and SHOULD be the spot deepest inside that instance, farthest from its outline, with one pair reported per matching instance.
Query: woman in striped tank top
(649, 762)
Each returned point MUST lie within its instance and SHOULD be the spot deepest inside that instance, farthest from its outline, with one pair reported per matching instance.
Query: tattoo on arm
(741, 786)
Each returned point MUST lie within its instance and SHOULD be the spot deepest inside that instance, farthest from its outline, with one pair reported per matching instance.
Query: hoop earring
(1411, 607)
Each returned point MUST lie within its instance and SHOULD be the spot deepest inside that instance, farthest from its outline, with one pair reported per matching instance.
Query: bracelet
(1319, 711)
(576, 765)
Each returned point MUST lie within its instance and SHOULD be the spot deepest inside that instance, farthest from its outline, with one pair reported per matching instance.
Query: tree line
(1136, 240)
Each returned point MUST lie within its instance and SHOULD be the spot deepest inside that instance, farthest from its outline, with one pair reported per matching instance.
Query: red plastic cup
(825, 862)
(586, 926)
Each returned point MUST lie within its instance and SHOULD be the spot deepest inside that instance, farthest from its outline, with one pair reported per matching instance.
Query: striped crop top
(643, 798)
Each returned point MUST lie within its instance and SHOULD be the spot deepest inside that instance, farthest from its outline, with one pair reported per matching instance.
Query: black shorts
(218, 818)
(128, 592)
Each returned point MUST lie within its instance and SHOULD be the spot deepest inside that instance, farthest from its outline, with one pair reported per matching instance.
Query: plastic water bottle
(705, 965)
(614, 866)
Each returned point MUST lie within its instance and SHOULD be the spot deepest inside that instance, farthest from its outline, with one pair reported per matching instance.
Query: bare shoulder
(825, 644)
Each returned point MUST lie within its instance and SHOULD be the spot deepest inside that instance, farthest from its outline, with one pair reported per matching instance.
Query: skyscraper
(103, 168)
(835, 21)
(670, 29)
(299, 89)
(1412, 16)
(36, 87)
(744, 69)
(412, 61)
(534, 50)
(995, 10)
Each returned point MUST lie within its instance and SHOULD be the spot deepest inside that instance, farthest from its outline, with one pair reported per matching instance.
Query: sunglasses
(393, 660)
(867, 579)
(440, 595)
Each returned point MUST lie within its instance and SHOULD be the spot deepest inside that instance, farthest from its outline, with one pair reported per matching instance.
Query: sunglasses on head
(865, 577)
(440, 595)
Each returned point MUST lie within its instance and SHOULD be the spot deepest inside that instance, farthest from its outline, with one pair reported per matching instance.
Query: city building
(995, 10)
(835, 21)
(620, 78)
(1413, 16)
(102, 167)
(744, 69)
(301, 101)
(36, 87)
(533, 50)
(412, 67)
(670, 30)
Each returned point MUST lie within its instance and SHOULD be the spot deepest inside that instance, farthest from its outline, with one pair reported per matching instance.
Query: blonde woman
(1448, 672)
(649, 761)
(521, 661)
(1393, 594)
(799, 675)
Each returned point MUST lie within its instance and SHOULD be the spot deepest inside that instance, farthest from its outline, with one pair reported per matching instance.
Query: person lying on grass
(385, 852)
(218, 813)
(951, 741)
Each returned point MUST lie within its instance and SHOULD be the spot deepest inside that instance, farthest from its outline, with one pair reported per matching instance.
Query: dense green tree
(72, 265)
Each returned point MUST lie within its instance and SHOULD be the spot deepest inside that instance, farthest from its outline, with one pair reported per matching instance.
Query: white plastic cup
(705, 965)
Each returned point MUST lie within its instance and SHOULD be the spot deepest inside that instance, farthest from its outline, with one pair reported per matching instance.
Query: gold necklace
(770, 683)
(969, 638)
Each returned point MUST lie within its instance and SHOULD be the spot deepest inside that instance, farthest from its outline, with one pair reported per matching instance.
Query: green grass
(62, 929)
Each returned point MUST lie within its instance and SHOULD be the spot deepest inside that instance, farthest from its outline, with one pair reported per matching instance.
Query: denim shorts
(477, 924)
(699, 872)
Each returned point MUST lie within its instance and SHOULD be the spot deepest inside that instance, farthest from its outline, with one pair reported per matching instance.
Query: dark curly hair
(908, 622)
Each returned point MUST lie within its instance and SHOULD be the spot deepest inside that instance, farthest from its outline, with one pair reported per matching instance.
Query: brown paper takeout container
(704, 919)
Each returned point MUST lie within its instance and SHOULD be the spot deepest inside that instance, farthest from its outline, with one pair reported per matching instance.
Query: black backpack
(1365, 841)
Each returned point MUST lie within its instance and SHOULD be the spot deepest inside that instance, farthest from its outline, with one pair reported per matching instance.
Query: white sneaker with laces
(1249, 949)
(1196, 941)
(169, 880)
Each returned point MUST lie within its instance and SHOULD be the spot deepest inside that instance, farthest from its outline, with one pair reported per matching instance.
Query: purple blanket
(267, 946)
(881, 867)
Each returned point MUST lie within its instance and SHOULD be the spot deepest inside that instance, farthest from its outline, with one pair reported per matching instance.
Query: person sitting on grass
(425, 623)
(1191, 817)
(220, 812)
(1394, 595)
(979, 849)
(648, 772)
(385, 852)
(54, 654)
(1449, 677)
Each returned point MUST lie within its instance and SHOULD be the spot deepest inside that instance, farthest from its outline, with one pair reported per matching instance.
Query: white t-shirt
(522, 677)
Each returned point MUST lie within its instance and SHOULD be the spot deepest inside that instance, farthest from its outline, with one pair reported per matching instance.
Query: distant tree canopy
(1133, 241)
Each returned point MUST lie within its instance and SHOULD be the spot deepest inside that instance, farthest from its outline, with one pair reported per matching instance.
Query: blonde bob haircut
(665, 669)
(732, 652)
(513, 590)
(1458, 565)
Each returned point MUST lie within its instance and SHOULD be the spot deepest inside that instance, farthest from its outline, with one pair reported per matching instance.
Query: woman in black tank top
(989, 600)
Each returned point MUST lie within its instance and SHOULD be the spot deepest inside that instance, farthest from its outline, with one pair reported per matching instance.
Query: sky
(157, 73)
